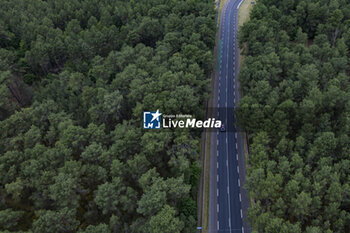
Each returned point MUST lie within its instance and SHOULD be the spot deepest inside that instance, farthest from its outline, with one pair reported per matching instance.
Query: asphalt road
(231, 199)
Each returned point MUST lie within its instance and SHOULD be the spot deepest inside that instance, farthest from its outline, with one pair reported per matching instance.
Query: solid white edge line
(239, 4)
(228, 190)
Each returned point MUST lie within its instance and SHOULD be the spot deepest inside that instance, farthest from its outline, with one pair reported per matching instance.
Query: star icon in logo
(156, 115)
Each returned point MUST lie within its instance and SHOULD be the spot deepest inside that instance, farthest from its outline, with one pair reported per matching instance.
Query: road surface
(228, 200)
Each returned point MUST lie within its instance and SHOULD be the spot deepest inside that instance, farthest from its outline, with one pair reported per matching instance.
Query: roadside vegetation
(244, 11)
(296, 107)
(75, 77)
(243, 16)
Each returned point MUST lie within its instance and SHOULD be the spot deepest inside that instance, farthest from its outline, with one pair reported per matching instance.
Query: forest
(75, 77)
(296, 111)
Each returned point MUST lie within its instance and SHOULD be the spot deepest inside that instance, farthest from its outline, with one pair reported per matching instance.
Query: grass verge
(243, 16)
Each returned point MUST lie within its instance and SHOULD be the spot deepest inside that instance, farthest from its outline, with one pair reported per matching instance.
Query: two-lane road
(229, 213)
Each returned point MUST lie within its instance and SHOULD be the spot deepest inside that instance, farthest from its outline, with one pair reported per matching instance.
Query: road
(228, 199)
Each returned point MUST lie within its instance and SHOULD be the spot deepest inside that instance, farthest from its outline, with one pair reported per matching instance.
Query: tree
(102, 228)
(9, 219)
(302, 205)
(153, 199)
(64, 191)
(165, 222)
(108, 196)
(62, 220)
(15, 189)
